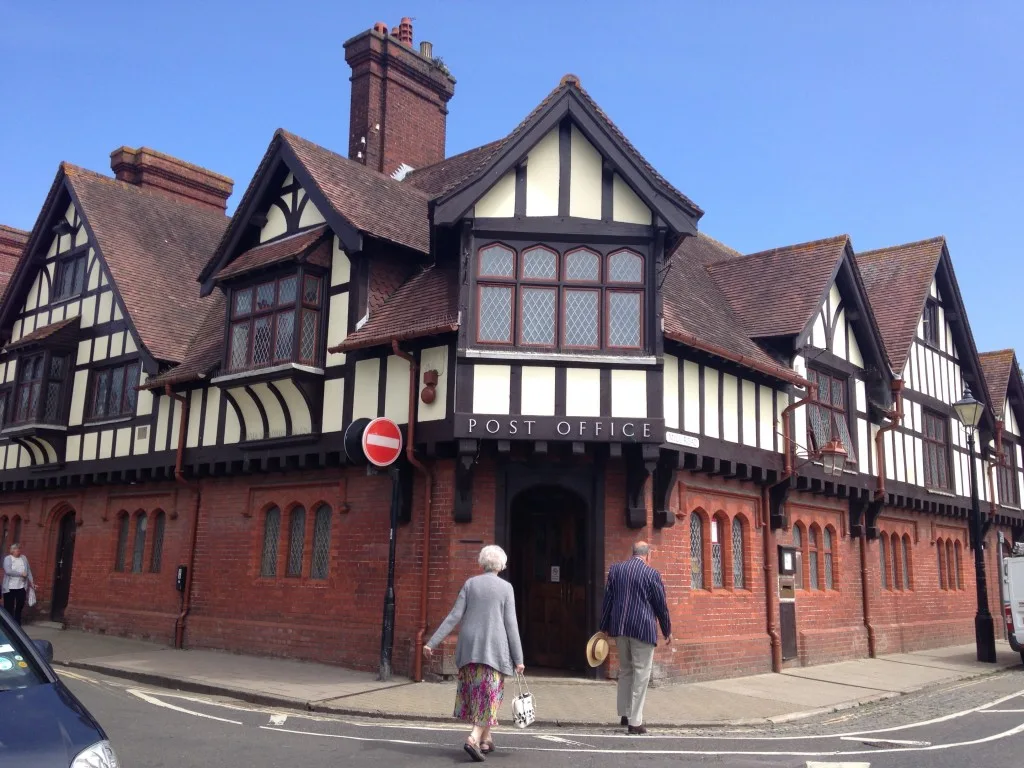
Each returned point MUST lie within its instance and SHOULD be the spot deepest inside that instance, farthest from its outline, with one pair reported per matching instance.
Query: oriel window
(276, 321)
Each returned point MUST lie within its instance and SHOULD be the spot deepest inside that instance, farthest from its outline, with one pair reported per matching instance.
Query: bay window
(275, 321)
(38, 396)
(578, 300)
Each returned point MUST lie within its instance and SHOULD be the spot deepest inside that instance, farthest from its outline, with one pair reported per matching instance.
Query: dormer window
(930, 322)
(70, 277)
(576, 300)
(275, 321)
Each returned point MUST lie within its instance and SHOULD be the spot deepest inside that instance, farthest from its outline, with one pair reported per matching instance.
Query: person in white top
(17, 581)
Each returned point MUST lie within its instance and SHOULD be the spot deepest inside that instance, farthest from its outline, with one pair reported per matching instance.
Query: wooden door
(552, 581)
(62, 569)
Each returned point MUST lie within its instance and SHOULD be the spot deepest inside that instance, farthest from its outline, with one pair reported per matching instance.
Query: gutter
(179, 477)
(410, 454)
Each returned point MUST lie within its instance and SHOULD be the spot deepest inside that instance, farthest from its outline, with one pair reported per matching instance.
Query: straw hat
(597, 649)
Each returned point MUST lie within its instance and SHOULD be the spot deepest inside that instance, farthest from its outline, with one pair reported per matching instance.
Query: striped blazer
(634, 599)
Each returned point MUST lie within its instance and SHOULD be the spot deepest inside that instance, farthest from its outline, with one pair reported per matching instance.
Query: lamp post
(969, 411)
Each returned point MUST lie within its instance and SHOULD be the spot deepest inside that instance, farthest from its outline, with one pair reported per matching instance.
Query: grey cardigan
(488, 631)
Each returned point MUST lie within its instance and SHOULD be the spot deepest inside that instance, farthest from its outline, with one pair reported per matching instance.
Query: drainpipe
(179, 477)
(895, 417)
(428, 482)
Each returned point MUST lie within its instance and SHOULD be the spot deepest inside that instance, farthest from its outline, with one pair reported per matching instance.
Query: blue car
(42, 724)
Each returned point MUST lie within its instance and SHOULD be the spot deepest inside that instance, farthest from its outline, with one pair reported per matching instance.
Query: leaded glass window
(275, 322)
(897, 563)
(936, 458)
(495, 313)
(271, 533)
(829, 567)
(950, 565)
(582, 266)
(537, 322)
(798, 545)
(696, 551)
(905, 562)
(884, 561)
(540, 264)
(717, 569)
(624, 318)
(157, 548)
(812, 556)
(321, 543)
(625, 267)
(940, 549)
(139, 550)
(737, 553)
(959, 567)
(582, 328)
(122, 542)
(114, 392)
(296, 541)
(497, 261)
(826, 419)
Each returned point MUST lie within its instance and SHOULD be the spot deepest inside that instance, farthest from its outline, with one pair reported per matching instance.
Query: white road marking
(383, 441)
(560, 740)
(816, 764)
(157, 703)
(1002, 711)
(353, 738)
(278, 719)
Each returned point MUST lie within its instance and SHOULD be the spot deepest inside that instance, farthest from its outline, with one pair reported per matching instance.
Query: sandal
(474, 751)
(487, 747)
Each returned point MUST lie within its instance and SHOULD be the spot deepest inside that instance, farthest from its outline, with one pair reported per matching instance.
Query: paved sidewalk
(796, 693)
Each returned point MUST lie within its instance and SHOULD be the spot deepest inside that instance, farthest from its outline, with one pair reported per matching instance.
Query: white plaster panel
(627, 206)
(629, 394)
(28, 325)
(337, 328)
(175, 423)
(32, 300)
(874, 449)
(945, 381)
(94, 275)
(900, 456)
(436, 359)
(839, 339)
(252, 422)
(117, 312)
(863, 449)
(890, 464)
(334, 401)
(88, 311)
(302, 419)
(123, 442)
(671, 392)
(101, 345)
(818, 332)
(364, 392)
(129, 344)
(117, 344)
(143, 435)
(57, 314)
(144, 401)
(730, 409)
(585, 177)
(711, 402)
(749, 392)
(861, 395)
(162, 422)
(105, 313)
(106, 444)
(767, 424)
(691, 397)
(276, 224)
(538, 391)
(78, 398)
(499, 202)
(542, 177)
(73, 449)
(232, 427)
(311, 216)
(195, 407)
(277, 426)
(396, 390)
(341, 265)
(84, 352)
(583, 392)
(492, 388)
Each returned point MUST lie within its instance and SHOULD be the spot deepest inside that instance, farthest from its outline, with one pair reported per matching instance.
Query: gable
(831, 329)
(564, 164)
(290, 210)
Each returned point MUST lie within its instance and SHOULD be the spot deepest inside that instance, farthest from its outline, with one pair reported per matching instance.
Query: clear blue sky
(785, 122)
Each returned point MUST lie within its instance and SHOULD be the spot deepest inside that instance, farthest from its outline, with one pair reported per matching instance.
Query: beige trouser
(636, 660)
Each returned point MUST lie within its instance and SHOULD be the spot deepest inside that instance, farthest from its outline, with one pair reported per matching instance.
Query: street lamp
(833, 458)
(969, 411)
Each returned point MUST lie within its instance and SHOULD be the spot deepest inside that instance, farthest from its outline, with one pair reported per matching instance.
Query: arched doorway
(63, 560)
(548, 569)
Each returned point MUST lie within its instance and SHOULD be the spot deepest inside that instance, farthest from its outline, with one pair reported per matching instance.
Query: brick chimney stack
(170, 176)
(400, 99)
(12, 243)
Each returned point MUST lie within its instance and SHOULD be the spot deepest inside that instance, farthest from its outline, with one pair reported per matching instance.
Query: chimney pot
(381, 28)
(394, 32)
(427, 50)
(405, 31)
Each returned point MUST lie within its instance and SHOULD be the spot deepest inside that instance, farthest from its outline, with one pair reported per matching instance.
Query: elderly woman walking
(488, 649)
(17, 580)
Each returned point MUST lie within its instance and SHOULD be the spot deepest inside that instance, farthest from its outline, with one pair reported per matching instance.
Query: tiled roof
(695, 306)
(12, 243)
(441, 178)
(997, 367)
(41, 334)
(274, 252)
(777, 292)
(370, 201)
(426, 304)
(897, 280)
(205, 351)
(155, 247)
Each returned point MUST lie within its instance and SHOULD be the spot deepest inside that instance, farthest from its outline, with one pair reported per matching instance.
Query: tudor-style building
(574, 367)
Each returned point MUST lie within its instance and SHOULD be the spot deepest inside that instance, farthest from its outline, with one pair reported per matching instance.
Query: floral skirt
(480, 693)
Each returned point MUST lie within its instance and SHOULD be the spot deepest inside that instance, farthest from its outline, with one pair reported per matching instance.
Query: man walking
(634, 600)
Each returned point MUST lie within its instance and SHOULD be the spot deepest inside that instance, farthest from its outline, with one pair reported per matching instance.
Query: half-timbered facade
(573, 365)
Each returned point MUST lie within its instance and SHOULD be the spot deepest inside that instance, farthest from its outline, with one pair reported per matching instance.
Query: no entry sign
(382, 442)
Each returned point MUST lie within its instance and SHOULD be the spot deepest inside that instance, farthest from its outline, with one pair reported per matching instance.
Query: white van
(1013, 598)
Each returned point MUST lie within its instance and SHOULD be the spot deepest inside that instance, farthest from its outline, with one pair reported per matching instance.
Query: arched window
(829, 559)
(940, 547)
(16, 538)
(139, 547)
(883, 564)
(4, 523)
(696, 551)
(296, 540)
(156, 552)
(812, 556)
(717, 566)
(905, 560)
(737, 553)
(958, 565)
(122, 542)
(951, 566)
(321, 543)
(897, 582)
(798, 545)
(271, 532)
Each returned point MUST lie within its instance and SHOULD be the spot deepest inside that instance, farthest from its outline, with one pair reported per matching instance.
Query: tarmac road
(978, 723)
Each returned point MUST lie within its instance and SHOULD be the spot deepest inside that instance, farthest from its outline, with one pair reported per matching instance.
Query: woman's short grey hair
(14, 546)
(493, 558)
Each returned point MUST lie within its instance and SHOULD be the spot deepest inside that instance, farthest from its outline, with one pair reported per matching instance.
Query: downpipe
(179, 477)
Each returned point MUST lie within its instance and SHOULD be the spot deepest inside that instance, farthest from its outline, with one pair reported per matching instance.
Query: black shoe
(624, 721)
(637, 730)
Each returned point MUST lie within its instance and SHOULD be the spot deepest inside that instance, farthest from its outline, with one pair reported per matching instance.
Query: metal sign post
(387, 636)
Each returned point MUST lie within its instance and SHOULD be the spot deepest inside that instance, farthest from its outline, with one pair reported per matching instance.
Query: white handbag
(31, 596)
(523, 710)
